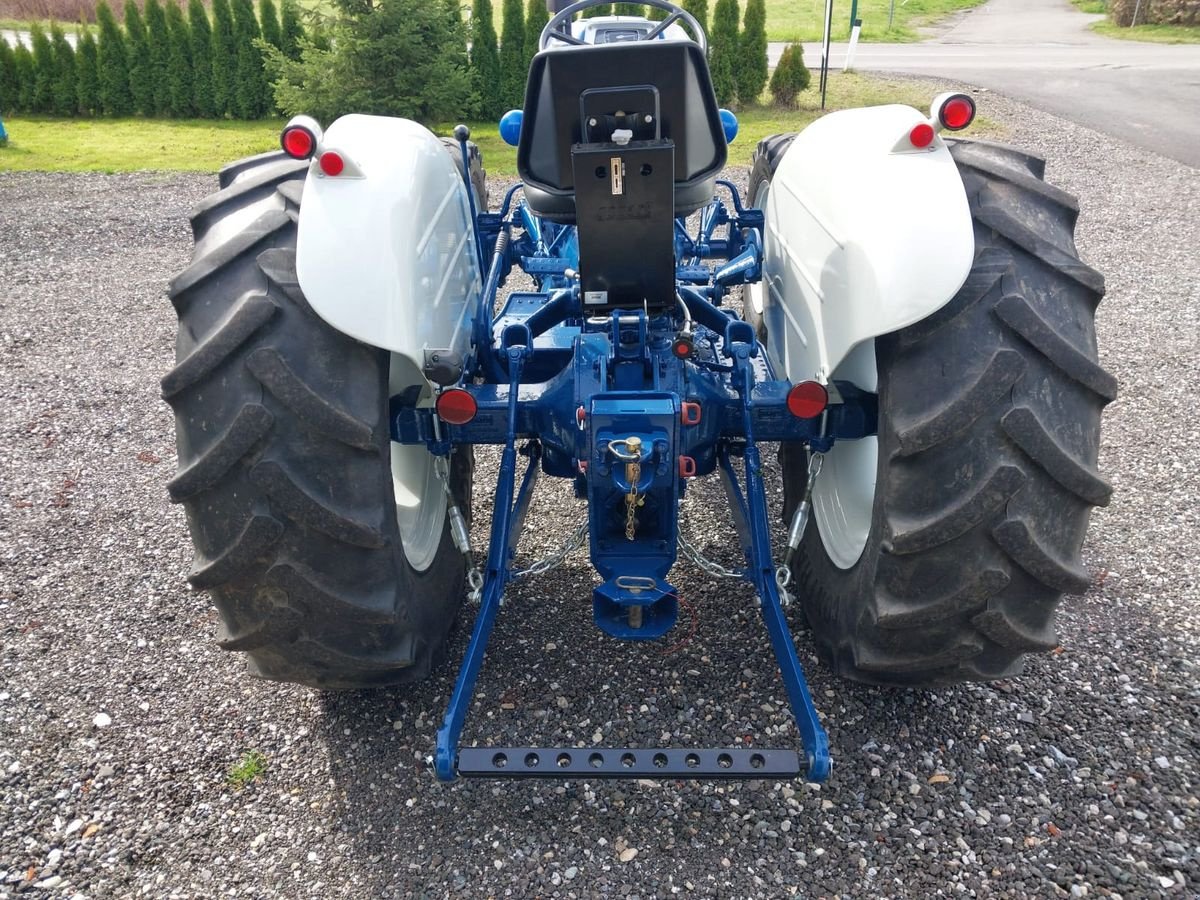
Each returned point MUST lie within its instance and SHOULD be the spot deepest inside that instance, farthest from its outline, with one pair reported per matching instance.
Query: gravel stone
(96, 615)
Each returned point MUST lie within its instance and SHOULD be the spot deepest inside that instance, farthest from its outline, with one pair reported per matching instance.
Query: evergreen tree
(386, 57)
(655, 14)
(791, 75)
(269, 20)
(457, 46)
(627, 9)
(10, 84)
(249, 85)
(141, 74)
(202, 74)
(291, 29)
(514, 66)
(485, 61)
(752, 53)
(604, 9)
(320, 39)
(723, 51)
(112, 65)
(179, 63)
(87, 84)
(26, 75)
(158, 36)
(43, 69)
(63, 88)
(536, 17)
(224, 59)
(699, 9)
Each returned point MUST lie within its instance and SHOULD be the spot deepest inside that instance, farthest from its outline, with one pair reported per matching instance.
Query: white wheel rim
(420, 500)
(844, 494)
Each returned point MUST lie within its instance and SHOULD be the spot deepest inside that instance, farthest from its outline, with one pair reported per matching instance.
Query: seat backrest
(657, 90)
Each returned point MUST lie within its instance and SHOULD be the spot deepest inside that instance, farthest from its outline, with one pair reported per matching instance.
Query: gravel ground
(119, 718)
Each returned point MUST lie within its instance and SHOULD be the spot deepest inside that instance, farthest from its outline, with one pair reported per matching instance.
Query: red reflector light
(957, 112)
(297, 142)
(807, 399)
(456, 406)
(332, 163)
(921, 135)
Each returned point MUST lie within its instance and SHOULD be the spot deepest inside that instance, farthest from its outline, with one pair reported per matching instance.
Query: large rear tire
(989, 432)
(285, 459)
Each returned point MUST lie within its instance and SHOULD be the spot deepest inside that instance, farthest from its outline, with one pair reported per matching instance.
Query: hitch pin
(803, 509)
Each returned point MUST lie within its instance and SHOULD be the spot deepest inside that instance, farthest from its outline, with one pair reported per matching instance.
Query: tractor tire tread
(989, 437)
(1015, 311)
(231, 171)
(963, 409)
(250, 313)
(320, 413)
(284, 456)
(251, 425)
(260, 182)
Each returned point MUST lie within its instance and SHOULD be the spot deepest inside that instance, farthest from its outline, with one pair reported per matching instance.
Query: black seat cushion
(569, 88)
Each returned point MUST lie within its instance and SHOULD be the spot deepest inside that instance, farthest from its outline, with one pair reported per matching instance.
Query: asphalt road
(1042, 52)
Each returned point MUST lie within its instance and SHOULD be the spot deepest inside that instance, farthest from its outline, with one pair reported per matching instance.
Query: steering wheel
(559, 28)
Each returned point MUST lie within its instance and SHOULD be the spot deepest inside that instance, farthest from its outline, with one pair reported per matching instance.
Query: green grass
(130, 145)
(247, 769)
(1091, 6)
(1157, 34)
(38, 143)
(802, 20)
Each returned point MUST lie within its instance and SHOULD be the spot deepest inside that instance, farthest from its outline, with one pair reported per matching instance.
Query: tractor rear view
(915, 335)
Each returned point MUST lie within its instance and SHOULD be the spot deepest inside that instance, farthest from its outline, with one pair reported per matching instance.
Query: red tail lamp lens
(456, 406)
(332, 164)
(298, 143)
(807, 399)
(921, 135)
(957, 112)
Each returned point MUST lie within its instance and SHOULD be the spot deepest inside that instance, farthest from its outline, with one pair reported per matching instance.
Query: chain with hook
(692, 552)
(556, 559)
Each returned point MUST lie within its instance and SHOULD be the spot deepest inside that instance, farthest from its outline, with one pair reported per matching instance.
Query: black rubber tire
(284, 458)
(989, 432)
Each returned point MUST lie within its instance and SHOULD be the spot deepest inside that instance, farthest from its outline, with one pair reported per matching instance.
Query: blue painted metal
(634, 569)
(750, 518)
(510, 127)
(584, 389)
(504, 516)
(729, 124)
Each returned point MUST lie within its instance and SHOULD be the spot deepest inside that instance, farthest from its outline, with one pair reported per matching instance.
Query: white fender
(386, 251)
(864, 235)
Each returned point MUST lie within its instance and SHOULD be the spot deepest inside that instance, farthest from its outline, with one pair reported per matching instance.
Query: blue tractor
(904, 316)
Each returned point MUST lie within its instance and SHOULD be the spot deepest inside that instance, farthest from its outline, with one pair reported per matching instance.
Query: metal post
(825, 49)
(891, 14)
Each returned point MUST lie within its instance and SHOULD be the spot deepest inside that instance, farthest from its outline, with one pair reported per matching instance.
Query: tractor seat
(657, 90)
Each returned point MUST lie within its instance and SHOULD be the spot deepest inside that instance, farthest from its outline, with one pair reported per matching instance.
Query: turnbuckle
(803, 509)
